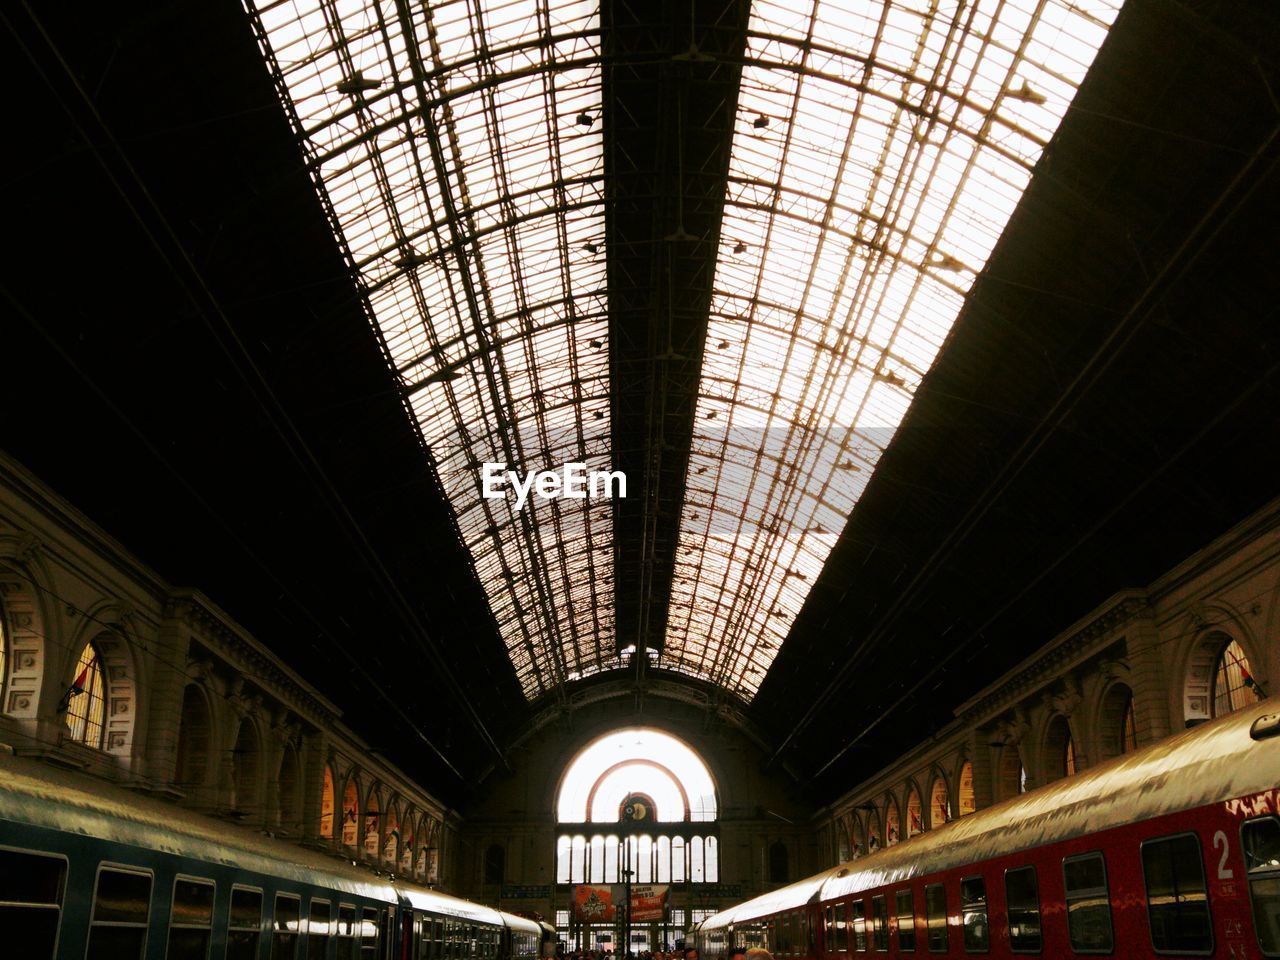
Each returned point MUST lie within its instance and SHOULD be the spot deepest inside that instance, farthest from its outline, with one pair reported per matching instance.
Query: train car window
(318, 929)
(829, 930)
(973, 915)
(244, 924)
(1022, 897)
(286, 924)
(860, 926)
(906, 916)
(31, 891)
(1088, 903)
(369, 934)
(935, 915)
(1177, 899)
(346, 932)
(1260, 840)
(841, 911)
(191, 919)
(880, 924)
(121, 907)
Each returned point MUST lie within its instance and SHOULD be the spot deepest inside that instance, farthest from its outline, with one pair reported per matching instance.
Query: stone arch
(1057, 749)
(1011, 775)
(1218, 628)
(351, 794)
(1115, 725)
(939, 801)
(966, 796)
(328, 801)
(874, 830)
(102, 627)
(408, 837)
(22, 606)
(246, 768)
(371, 823)
(391, 828)
(289, 788)
(913, 811)
(779, 862)
(892, 820)
(193, 761)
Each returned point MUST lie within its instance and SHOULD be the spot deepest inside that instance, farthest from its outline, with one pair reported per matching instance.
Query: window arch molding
(1114, 701)
(937, 818)
(1058, 748)
(104, 627)
(23, 576)
(913, 820)
(1200, 666)
(194, 763)
(623, 765)
(593, 761)
(965, 801)
(892, 820)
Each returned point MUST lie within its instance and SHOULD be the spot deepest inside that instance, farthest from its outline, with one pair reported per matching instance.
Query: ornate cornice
(1053, 663)
(265, 671)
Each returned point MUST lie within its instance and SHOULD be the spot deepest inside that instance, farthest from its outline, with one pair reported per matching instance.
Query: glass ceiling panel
(457, 149)
(879, 150)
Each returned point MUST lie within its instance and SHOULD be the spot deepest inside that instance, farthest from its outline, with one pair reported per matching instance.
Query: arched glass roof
(880, 150)
(878, 153)
(636, 760)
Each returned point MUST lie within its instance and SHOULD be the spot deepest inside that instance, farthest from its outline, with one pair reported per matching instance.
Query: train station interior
(532, 448)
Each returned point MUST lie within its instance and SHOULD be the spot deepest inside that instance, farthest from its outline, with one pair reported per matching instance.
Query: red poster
(593, 904)
(648, 901)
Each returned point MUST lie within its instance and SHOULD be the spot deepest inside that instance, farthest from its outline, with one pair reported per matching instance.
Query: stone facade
(1153, 651)
(196, 709)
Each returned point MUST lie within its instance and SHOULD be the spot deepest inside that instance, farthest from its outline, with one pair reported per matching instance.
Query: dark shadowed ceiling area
(277, 285)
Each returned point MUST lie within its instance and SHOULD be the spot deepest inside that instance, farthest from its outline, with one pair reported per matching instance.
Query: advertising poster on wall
(593, 904)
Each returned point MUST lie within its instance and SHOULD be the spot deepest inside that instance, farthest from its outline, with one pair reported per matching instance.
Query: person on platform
(759, 953)
(738, 953)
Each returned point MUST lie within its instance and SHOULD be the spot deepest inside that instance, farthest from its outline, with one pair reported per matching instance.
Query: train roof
(36, 793)
(1211, 763)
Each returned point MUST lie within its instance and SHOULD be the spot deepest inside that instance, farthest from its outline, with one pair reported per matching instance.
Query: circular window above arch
(636, 761)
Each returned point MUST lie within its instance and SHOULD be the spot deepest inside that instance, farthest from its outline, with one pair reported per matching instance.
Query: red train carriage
(1170, 851)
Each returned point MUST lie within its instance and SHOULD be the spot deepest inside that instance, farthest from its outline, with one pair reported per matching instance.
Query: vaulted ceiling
(917, 330)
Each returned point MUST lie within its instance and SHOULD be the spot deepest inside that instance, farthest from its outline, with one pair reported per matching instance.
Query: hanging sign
(593, 904)
(648, 901)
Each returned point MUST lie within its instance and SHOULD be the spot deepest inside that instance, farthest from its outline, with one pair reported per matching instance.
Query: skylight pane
(875, 163)
(448, 142)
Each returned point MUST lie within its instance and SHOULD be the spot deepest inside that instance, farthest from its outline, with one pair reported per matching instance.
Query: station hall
(640, 480)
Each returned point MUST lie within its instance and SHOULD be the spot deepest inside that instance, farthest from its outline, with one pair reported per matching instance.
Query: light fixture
(357, 83)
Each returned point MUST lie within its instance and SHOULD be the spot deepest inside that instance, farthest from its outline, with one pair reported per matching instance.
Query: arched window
(287, 793)
(779, 863)
(915, 812)
(636, 779)
(1128, 727)
(246, 759)
(372, 824)
(892, 822)
(1011, 778)
(939, 803)
(87, 699)
(194, 733)
(4, 649)
(326, 804)
(351, 815)
(1059, 749)
(408, 837)
(391, 841)
(844, 849)
(968, 802)
(875, 840)
(495, 863)
(1233, 684)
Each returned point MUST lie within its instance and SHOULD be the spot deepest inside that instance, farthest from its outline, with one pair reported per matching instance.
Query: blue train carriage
(89, 871)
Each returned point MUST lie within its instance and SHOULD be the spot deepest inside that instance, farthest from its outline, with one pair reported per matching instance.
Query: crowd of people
(689, 953)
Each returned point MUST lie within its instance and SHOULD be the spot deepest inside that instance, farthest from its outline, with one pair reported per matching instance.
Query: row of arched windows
(662, 859)
(396, 836)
